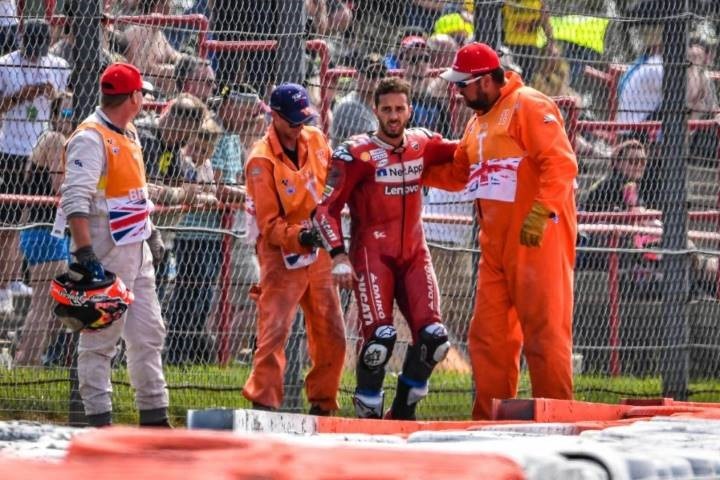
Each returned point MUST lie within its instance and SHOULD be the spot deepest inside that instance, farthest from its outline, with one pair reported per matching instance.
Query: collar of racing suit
(382, 144)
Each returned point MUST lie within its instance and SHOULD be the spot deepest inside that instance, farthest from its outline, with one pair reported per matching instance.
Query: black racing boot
(157, 417)
(406, 400)
(100, 419)
(318, 411)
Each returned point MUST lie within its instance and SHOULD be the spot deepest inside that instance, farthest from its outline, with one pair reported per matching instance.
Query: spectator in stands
(414, 37)
(29, 80)
(353, 114)
(457, 22)
(194, 75)
(149, 49)
(619, 189)
(199, 254)
(523, 175)
(640, 88)
(640, 96)
(430, 94)
(162, 144)
(8, 26)
(702, 98)
(46, 255)
(104, 178)
(524, 23)
(441, 48)
(328, 17)
(286, 173)
(329, 20)
(552, 75)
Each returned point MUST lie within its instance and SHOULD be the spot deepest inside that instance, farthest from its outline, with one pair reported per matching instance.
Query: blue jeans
(198, 264)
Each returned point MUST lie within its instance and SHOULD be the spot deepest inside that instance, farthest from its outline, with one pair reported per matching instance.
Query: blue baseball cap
(291, 101)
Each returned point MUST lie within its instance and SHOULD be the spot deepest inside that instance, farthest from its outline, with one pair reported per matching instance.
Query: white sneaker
(6, 302)
(19, 289)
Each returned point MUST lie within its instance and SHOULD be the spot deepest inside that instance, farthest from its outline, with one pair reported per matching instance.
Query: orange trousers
(281, 291)
(524, 301)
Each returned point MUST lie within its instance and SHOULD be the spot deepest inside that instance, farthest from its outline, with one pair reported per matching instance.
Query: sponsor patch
(402, 189)
(398, 173)
(379, 155)
(289, 187)
(365, 299)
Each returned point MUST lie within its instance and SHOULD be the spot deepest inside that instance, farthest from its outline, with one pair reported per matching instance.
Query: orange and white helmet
(92, 305)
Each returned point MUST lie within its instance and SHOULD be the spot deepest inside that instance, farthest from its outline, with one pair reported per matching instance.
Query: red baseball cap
(471, 60)
(121, 78)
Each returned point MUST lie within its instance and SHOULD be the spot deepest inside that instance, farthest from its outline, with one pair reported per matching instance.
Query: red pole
(614, 299)
(49, 9)
(321, 47)
(225, 309)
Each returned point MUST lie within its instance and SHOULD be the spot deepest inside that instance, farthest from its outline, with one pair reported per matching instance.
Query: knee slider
(431, 348)
(434, 343)
(376, 352)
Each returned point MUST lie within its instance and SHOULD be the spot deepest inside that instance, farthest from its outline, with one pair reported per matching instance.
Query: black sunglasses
(465, 83)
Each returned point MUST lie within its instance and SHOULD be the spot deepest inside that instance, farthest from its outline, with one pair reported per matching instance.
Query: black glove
(91, 268)
(157, 247)
(310, 238)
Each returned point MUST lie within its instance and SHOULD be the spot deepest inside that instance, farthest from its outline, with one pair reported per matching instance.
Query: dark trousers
(198, 263)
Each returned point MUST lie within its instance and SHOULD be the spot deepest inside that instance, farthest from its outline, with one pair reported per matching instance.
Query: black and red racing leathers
(382, 186)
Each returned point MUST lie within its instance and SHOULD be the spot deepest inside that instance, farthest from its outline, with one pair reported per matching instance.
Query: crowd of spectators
(213, 112)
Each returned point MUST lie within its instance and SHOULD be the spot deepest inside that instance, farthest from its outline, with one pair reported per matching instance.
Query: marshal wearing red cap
(122, 78)
(473, 59)
(522, 172)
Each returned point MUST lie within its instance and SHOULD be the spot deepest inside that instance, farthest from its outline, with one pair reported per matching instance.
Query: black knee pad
(431, 348)
(374, 355)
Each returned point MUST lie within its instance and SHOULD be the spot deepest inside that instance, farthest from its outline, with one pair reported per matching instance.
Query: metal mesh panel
(636, 80)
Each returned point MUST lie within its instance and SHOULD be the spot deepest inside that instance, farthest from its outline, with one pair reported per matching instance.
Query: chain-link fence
(637, 81)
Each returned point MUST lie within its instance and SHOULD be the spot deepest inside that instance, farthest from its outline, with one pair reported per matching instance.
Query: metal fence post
(291, 68)
(673, 161)
(291, 43)
(83, 17)
(486, 21)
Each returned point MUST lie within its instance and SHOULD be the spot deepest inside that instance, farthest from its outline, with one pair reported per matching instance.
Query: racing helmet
(93, 305)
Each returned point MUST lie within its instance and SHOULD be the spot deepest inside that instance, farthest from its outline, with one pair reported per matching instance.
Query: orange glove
(533, 227)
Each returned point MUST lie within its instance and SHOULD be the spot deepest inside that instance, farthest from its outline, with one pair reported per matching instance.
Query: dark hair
(57, 103)
(621, 150)
(498, 75)
(185, 68)
(112, 101)
(392, 85)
